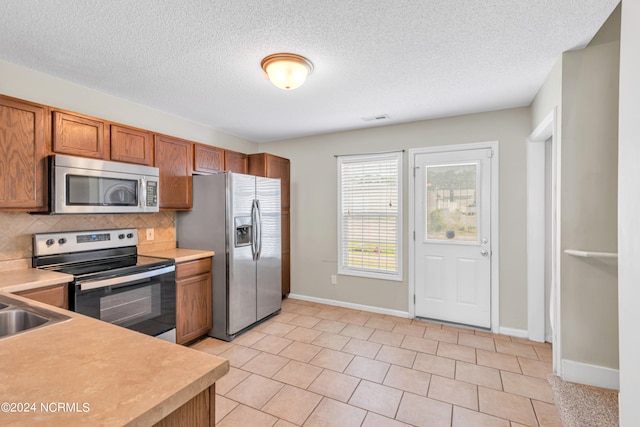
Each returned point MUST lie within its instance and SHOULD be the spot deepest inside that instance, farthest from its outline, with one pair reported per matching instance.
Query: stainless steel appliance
(80, 185)
(238, 217)
(111, 281)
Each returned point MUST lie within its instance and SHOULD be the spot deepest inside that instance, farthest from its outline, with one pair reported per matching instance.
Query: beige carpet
(584, 406)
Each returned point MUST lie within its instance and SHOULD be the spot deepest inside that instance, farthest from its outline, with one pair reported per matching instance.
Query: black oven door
(143, 301)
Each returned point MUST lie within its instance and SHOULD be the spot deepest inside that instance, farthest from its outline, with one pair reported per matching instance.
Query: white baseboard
(584, 373)
(518, 333)
(362, 307)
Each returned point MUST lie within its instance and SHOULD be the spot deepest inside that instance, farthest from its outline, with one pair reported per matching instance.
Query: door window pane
(451, 199)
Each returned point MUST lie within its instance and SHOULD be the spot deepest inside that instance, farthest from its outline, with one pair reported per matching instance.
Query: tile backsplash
(16, 230)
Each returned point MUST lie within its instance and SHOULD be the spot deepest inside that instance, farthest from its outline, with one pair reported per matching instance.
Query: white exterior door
(452, 249)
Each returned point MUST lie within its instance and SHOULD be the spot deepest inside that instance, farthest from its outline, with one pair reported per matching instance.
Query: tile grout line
(537, 358)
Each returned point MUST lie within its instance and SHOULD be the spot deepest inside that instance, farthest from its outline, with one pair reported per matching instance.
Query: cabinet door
(286, 254)
(235, 162)
(78, 135)
(278, 167)
(286, 273)
(173, 157)
(270, 166)
(23, 154)
(54, 295)
(207, 159)
(193, 307)
(131, 145)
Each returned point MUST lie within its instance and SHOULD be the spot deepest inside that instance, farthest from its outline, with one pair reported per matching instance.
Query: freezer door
(242, 268)
(269, 264)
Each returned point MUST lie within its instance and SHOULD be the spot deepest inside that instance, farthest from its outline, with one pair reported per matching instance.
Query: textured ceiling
(200, 59)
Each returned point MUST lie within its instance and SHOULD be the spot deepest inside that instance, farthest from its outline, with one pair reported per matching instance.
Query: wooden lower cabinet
(56, 295)
(193, 300)
(197, 412)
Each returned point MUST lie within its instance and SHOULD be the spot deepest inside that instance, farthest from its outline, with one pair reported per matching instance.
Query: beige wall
(549, 97)
(314, 205)
(33, 86)
(610, 30)
(583, 88)
(589, 307)
(628, 214)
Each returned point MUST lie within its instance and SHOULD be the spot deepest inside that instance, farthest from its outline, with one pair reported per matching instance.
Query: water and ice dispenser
(244, 231)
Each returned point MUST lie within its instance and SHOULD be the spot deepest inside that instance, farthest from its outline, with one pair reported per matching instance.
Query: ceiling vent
(375, 118)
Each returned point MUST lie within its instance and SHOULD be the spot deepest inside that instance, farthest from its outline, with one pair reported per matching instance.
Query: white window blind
(370, 215)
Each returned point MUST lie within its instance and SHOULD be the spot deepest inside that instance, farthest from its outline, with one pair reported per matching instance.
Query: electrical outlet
(334, 279)
(150, 234)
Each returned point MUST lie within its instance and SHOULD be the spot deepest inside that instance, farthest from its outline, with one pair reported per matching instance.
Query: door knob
(484, 252)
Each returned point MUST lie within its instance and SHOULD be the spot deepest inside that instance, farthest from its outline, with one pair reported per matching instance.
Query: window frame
(365, 272)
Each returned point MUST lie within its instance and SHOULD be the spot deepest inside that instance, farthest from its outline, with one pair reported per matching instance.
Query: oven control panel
(93, 237)
(75, 241)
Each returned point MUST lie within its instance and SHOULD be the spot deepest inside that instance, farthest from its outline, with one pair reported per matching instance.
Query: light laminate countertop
(104, 374)
(179, 254)
(30, 278)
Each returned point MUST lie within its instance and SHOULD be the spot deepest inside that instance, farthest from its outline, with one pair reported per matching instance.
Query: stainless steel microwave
(85, 186)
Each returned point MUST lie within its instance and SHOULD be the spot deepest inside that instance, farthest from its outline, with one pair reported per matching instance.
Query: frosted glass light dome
(287, 70)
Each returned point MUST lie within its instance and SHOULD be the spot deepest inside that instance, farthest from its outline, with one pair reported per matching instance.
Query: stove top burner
(101, 268)
(92, 254)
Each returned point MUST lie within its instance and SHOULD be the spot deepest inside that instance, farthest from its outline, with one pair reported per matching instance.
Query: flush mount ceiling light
(286, 70)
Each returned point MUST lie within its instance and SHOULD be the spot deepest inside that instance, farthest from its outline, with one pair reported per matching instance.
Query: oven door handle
(94, 284)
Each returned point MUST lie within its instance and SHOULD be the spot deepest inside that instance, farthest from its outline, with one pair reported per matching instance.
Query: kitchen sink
(17, 317)
(16, 321)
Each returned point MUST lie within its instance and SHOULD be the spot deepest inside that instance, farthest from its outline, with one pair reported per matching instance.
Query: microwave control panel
(152, 193)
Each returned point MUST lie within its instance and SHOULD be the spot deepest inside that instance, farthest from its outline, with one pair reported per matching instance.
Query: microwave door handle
(142, 198)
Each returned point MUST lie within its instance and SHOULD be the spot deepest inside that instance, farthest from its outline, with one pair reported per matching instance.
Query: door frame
(495, 252)
(536, 223)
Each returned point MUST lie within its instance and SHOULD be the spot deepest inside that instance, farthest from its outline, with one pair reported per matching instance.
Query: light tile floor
(320, 365)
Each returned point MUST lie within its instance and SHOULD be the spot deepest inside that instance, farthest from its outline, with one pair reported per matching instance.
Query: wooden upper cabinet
(174, 158)
(236, 162)
(79, 135)
(131, 145)
(270, 166)
(207, 159)
(22, 156)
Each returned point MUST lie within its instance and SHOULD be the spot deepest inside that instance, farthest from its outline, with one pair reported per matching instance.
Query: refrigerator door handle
(259, 230)
(254, 228)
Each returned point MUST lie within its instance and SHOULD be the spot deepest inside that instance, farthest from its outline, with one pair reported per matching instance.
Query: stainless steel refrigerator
(238, 217)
